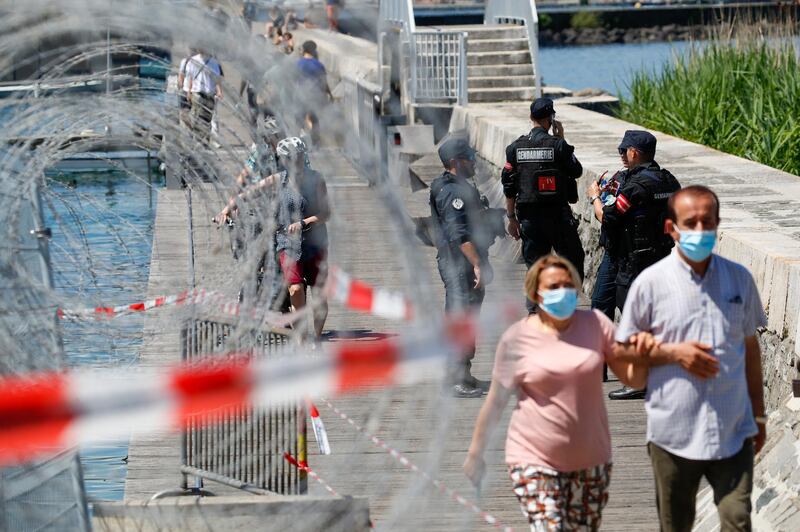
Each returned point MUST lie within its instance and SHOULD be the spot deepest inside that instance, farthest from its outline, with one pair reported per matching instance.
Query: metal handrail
(436, 77)
(519, 12)
(439, 67)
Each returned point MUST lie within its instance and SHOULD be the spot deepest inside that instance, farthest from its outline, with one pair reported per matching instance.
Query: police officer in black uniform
(539, 183)
(634, 223)
(462, 241)
(604, 293)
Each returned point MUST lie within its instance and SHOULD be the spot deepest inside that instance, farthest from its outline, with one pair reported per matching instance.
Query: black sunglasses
(622, 151)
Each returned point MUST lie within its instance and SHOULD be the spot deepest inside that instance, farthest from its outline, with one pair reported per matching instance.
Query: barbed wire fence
(68, 102)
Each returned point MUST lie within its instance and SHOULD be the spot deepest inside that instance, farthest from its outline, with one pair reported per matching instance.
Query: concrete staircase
(499, 66)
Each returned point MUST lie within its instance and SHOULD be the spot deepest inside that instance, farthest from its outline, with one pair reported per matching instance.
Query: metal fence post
(412, 44)
(463, 74)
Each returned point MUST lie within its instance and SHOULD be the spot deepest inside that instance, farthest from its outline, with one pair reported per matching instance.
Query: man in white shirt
(202, 89)
(705, 397)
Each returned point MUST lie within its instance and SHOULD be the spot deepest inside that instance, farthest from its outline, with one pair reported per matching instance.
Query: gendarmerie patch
(535, 155)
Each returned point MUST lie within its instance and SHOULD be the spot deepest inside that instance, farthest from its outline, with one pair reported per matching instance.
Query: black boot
(477, 383)
(626, 392)
(465, 391)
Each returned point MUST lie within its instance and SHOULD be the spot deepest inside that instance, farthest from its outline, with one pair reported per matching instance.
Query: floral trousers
(555, 501)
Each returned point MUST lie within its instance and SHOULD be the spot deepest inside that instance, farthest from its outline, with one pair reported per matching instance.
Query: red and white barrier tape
(319, 428)
(58, 410)
(303, 466)
(192, 297)
(360, 296)
(352, 293)
(400, 457)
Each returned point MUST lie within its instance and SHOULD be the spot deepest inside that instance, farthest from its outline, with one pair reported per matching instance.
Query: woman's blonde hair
(548, 261)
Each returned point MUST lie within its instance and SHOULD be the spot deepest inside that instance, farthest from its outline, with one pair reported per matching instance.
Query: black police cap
(643, 141)
(542, 108)
(455, 147)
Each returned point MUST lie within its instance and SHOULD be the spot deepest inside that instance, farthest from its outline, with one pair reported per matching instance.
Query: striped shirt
(687, 416)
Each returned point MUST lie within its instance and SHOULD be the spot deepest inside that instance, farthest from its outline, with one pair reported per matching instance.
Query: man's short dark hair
(695, 191)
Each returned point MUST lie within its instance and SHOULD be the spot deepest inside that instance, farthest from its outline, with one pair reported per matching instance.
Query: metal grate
(439, 67)
(242, 447)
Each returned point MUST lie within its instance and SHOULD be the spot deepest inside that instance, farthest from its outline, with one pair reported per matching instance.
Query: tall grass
(738, 93)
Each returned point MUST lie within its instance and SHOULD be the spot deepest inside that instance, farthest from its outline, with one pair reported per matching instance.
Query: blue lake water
(102, 238)
(608, 66)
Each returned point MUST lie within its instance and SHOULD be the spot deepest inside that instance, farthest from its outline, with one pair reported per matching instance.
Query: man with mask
(705, 407)
(462, 240)
(539, 184)
(634, 222)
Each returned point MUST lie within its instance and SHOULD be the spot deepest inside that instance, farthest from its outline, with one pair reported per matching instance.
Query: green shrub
(585, 19)
(545, 21)
(738, 96)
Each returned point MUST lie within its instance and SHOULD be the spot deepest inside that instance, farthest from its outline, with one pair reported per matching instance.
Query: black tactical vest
(644, 239)
(540, 179)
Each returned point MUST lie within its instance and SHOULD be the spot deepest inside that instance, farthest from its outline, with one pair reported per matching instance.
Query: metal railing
(522, 12)
(439, 67)
(242, 447)
(362, 105)
(438, 59)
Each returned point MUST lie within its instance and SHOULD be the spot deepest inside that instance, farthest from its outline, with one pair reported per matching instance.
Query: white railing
(439, 67)
(438, 59)
(518, 12)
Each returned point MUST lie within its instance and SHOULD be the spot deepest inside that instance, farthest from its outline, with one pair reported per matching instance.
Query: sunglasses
(622, 151)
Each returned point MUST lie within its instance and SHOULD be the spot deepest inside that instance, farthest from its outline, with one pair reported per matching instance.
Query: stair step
(498, 45)
(479, 32)
(482, 71)
(496, 82)
(498, 58)
(500, 94)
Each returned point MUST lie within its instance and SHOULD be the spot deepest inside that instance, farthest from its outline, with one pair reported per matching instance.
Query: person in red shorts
(302, 238)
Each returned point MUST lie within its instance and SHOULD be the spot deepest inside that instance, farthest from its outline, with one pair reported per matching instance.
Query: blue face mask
(559, 303)
(697, 245)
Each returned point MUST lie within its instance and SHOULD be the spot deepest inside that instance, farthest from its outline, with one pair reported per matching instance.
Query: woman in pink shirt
(558, 447)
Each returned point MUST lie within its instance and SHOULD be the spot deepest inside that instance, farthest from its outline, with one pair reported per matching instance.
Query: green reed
(739, 95)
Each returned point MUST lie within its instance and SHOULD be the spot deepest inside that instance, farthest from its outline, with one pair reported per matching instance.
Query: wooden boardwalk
(432, 429)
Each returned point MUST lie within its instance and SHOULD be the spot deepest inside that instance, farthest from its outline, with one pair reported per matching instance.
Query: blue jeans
(604, 294)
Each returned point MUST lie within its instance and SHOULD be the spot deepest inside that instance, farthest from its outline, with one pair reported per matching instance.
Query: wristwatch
(592, 199)
(511, 216)
(303, 225)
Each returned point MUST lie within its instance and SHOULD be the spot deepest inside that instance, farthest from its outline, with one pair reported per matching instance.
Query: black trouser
(546, 229)
(460, 295)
